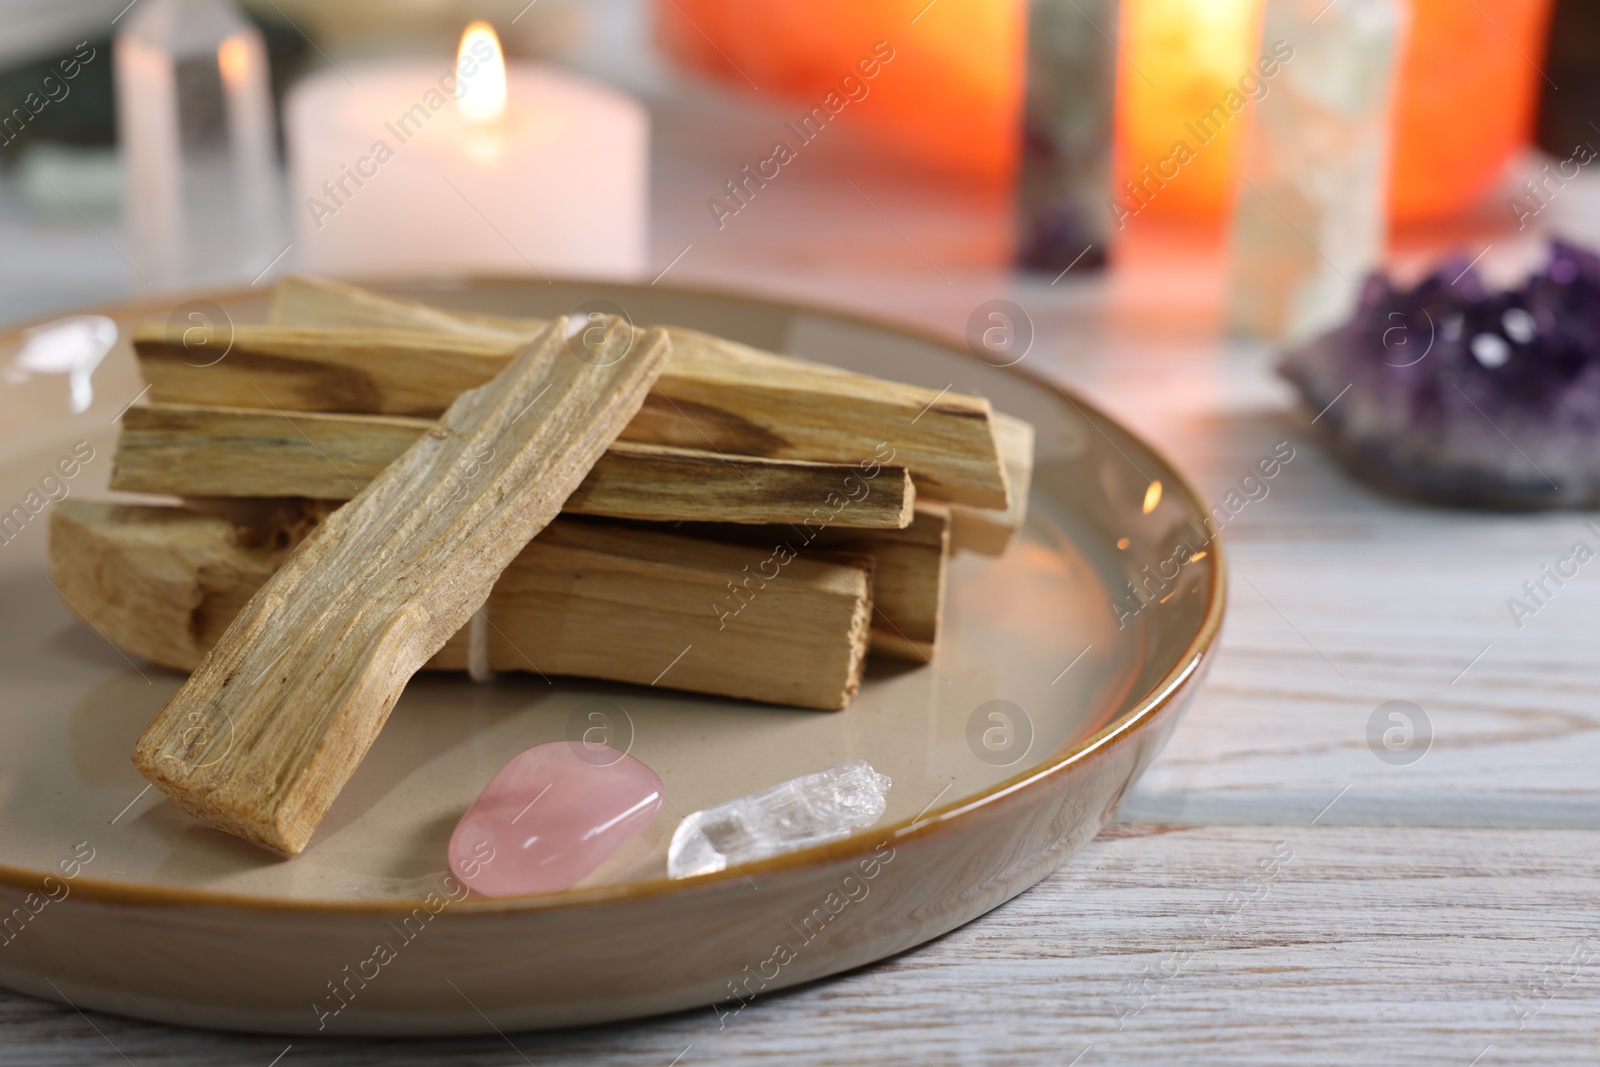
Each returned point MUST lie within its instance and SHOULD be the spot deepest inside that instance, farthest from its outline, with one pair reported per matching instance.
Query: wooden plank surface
(1342, 600)
(1402, 946)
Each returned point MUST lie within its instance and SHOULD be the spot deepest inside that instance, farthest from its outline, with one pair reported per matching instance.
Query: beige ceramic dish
(170, 920)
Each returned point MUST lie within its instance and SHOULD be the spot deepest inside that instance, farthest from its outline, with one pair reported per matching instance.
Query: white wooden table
(1441, 911)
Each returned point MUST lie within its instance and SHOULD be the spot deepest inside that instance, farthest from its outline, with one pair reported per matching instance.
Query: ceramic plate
(114, 898)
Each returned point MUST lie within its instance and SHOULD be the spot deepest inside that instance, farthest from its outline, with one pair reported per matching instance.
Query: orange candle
(946, 87)
(1182, 59)
(1469, 83)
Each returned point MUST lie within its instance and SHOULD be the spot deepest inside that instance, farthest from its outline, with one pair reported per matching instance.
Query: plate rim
(1119, 731)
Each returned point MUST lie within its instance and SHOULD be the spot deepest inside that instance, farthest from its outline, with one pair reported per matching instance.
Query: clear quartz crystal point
(1311, 223)
(195, 128)
(796, 814)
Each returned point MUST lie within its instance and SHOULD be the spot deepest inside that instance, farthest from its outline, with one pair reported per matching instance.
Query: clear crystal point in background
(796, 814)
(195, 127)
(1311, 222)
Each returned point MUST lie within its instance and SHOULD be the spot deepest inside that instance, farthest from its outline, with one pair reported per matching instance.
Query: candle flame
(480, 75)
(233, 60)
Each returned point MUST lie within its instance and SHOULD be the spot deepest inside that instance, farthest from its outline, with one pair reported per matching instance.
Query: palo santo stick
(716, 394)
(749, 401)
(908, 581)
(616, 603)
(301, 300)
(159, 582)
(582, 592)
(298, 687)
(989, 532)
(321, 370)
(243, 452)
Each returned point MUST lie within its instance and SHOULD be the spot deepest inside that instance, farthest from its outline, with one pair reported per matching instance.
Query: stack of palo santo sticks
(732, 522)
(769, 458)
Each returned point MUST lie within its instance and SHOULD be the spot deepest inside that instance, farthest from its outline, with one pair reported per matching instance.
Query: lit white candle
(412, 169)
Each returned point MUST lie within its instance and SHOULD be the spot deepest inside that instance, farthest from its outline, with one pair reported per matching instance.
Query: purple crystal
(1464, 394)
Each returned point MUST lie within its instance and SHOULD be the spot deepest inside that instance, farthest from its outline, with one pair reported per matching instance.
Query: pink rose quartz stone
(550, 816)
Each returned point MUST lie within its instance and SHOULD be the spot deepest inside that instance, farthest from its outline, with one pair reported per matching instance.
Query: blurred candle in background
(1183, 59)
(1469, 84)
(947, 89)
(397, 171)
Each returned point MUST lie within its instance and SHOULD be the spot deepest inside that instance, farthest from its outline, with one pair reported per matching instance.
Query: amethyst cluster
(1467, 395)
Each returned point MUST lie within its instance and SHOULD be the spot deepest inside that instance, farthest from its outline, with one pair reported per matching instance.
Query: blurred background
(1249, 160)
